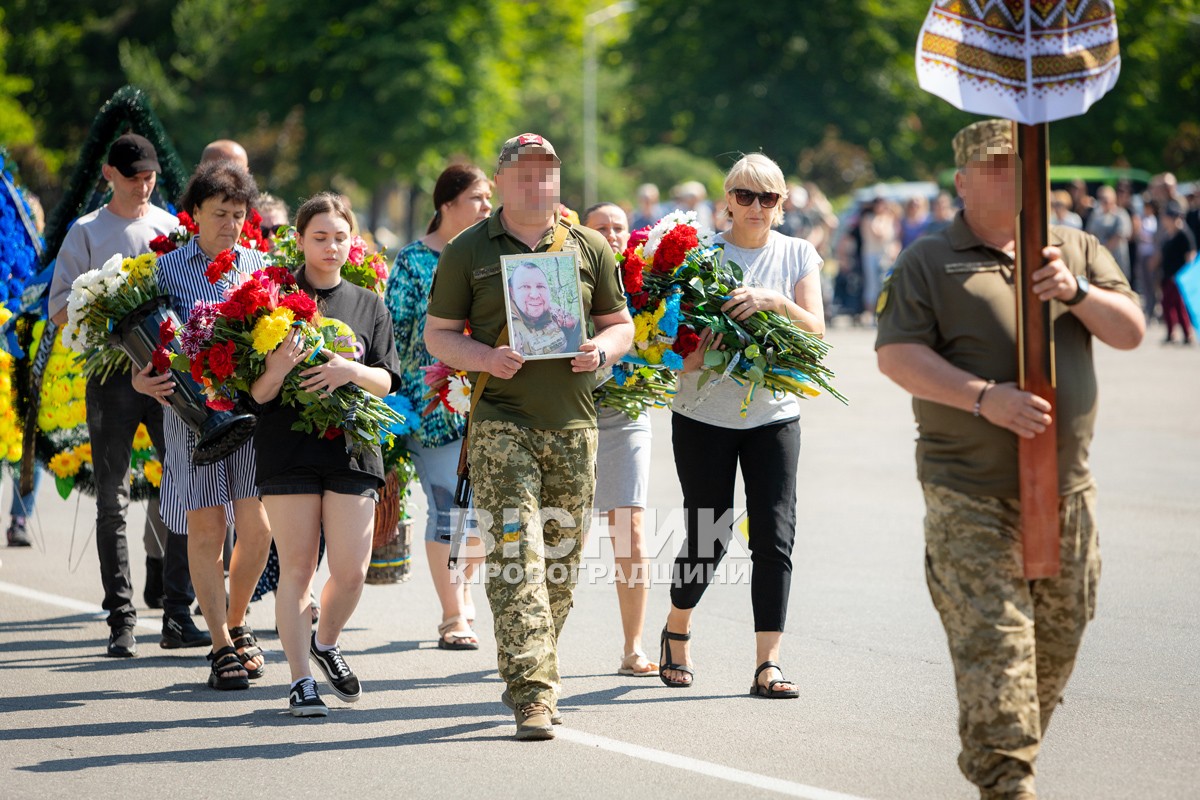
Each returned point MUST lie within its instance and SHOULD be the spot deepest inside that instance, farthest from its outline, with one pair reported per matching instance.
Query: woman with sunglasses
(721, 424)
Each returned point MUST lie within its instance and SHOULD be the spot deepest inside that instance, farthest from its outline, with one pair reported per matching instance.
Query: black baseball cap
(131, 154)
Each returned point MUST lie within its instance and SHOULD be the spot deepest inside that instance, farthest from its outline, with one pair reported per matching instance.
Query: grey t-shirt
(779, 264)
(97, 237)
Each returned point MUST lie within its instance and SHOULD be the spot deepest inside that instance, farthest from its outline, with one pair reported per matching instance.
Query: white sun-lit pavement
(876, 716)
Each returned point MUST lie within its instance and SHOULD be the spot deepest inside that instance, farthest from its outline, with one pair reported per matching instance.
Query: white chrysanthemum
(664, 225)
(75, 338)
(113, 283)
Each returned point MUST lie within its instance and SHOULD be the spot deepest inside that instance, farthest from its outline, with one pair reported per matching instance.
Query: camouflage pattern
(1013, 642)
(527, 483)
(982, 140)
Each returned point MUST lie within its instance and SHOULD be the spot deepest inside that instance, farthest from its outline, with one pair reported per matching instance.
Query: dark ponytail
(453, 181)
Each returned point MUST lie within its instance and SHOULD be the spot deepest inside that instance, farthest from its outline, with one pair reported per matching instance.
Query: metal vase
(219, 432)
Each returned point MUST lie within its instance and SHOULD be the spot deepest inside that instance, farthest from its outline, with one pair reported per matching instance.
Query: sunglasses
(745, 197)
(270, 230)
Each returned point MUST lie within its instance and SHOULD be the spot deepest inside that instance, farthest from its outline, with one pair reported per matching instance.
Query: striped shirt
(186, 487)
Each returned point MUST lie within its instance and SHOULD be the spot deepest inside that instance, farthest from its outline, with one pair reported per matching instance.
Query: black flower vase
(219, 432)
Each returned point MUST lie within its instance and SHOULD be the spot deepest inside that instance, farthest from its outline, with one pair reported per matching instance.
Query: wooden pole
(1037, 457)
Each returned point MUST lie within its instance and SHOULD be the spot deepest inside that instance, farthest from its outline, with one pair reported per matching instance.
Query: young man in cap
(125, 225)
(947, 335)
(532, 449)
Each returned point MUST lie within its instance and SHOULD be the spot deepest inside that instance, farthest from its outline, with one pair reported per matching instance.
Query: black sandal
(244, 640)
(225, 663)
(769, 690)
(664, 656)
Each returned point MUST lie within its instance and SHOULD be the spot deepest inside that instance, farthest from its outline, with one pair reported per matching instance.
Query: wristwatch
(1083, 287)
(603, 356)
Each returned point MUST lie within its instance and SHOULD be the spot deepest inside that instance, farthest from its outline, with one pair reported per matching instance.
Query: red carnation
(303, 307)
(252, 295)
(186, 221)
(198, 366)
(332, 433)
(225, 261)
(162, 244)
(674, 247)
(161, 359)
(281, 276)
(166, 331)
(219, 403)
(631, 273)
(686, 341)
(220, 360)
(233, 309)
(639, 300)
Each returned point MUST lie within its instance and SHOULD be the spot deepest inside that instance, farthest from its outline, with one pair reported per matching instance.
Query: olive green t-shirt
(956, 295)
(469, 284)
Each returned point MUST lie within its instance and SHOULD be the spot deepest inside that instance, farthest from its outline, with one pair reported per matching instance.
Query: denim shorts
(318, 480)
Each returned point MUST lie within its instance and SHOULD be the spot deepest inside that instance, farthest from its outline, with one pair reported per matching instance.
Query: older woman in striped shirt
(200, 502)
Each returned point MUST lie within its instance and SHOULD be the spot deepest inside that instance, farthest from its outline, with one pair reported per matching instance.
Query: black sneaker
(303, 701)
(121, 643)
(341, 679)
(18, 536)
(181, 631)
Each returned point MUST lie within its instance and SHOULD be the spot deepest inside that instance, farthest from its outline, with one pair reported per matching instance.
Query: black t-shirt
(280, 449)
(1174, 252)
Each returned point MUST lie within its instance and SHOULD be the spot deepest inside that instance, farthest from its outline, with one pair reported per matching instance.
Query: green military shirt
(469, 284)
(951, 292)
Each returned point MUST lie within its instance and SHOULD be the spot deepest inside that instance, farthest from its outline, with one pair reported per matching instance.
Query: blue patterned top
(408, 299)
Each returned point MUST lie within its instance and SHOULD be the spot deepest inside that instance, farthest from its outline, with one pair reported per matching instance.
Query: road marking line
(708, 768)
(66, 602)
(700, 767)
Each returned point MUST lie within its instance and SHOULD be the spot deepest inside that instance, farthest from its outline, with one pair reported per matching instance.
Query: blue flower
(672, 360)
(669, 324)
(404, 407)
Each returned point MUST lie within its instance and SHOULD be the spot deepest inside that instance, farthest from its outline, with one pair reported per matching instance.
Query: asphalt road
(876, 717)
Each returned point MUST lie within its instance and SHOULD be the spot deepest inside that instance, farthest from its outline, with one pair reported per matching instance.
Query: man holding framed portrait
(528, 281)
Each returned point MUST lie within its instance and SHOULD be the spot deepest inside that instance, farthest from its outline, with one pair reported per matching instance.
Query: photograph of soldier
(544, 304)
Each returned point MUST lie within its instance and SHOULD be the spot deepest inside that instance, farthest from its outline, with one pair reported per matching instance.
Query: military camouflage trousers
(533, 497)
(1013, 641)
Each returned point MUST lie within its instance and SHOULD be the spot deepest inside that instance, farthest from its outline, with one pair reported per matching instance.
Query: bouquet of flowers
(677, 285)
(11, 436)
(633, 388)
(99, 299)
(251, 236)
(225, 346)
(448, 387)
(368, 270)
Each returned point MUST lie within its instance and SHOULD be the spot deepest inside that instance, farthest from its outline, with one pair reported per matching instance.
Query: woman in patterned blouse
(461, 198)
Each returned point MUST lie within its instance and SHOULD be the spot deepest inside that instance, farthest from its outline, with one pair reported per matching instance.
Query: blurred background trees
(374, 97)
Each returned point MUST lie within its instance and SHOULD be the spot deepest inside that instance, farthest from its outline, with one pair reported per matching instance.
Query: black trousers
(114, 411)
(707, 459)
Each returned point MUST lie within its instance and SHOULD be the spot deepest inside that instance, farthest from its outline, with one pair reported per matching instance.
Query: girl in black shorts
(310, 481)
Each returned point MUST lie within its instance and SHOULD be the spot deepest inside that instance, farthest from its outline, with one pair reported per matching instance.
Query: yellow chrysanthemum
(75, 415)
(154, 471)
(141, 439)
(65, 464)
(6, 358)
(79, 387)
(5, 315)
(270, 330)
(61, 392)
(84, 451)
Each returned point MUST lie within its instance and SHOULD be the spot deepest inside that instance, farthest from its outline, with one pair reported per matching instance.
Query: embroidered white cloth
(1032, 61)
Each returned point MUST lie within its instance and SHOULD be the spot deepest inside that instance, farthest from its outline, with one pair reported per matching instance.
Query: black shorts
(318, 480)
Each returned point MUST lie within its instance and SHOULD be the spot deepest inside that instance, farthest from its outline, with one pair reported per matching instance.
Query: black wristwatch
(603, 356)
(1081, 291)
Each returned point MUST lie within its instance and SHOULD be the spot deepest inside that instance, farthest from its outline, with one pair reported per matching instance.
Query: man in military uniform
(537, 327)
(947, 335)
(532, 451)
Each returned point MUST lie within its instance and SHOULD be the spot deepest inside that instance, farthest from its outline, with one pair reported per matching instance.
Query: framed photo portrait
(545, 304)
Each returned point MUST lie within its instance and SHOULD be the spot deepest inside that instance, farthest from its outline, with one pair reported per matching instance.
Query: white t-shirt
(97, 237)
(779, 264)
